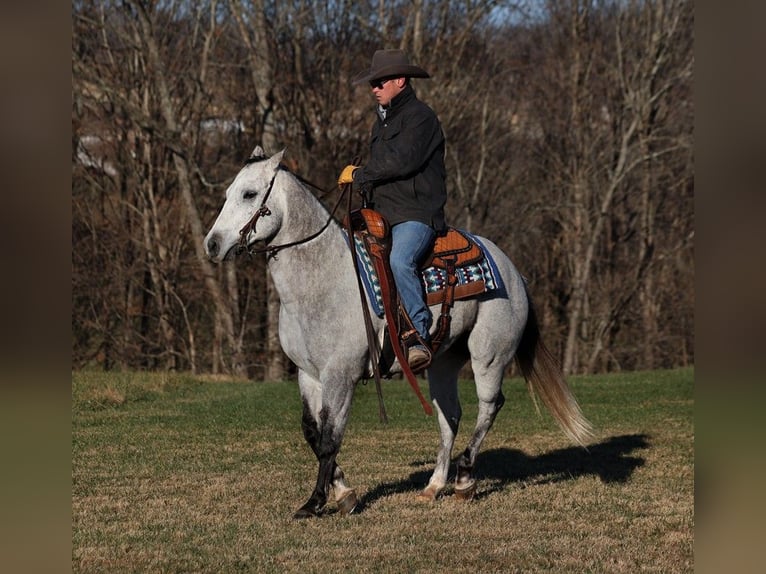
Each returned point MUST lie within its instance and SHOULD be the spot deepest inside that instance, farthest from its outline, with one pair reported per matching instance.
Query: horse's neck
(319, 268)
(302, 213)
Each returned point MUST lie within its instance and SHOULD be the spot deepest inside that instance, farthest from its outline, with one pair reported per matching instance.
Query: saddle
(453, 247)
(451, 251)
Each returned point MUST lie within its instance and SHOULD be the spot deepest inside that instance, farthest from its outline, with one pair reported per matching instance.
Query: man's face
(386, 89)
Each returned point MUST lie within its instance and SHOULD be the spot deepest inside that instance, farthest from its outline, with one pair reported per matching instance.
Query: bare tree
(164, 119)
(596, 144)
(569, 130)
(255, 33)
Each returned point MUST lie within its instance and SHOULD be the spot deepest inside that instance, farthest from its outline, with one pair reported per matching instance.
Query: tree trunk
(169, 113)
(262, 74)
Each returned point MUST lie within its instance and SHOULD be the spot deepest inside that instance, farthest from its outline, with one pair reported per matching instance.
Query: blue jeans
(410, 243)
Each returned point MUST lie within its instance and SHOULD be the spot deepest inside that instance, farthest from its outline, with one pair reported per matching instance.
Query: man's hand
(347, 175)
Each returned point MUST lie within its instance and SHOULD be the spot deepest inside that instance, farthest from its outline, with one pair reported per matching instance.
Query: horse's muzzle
(212, 246)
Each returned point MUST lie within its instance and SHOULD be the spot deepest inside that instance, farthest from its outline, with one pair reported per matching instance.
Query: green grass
(172, 473)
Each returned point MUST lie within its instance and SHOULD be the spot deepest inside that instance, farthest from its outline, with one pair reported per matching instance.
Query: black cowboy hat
(390, 64)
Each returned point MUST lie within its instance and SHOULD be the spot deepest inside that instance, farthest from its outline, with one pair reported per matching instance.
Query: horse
(322, 331)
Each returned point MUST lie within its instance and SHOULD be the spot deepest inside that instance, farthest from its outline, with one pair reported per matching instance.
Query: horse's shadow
(611, 460)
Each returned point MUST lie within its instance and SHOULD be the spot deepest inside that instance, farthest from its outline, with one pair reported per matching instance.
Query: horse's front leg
(325, 414)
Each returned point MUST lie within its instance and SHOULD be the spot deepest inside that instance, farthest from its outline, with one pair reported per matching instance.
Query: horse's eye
(249, 195)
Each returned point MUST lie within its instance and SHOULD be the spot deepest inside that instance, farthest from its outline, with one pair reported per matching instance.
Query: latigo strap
(376, 235)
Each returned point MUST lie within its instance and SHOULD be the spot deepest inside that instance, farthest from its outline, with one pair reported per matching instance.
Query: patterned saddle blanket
(476, 275)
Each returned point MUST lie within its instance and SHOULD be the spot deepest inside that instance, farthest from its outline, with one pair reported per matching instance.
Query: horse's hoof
(428, 494)
(347, 505)
(465, 492)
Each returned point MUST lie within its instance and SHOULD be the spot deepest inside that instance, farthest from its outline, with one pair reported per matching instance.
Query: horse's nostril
(212, 247)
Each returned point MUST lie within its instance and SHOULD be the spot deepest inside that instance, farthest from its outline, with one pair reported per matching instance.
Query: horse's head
(249, 213)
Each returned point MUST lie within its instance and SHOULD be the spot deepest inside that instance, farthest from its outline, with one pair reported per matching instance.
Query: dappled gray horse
(322, 330)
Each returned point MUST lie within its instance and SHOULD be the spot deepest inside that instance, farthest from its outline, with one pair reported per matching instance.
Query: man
(405, 181)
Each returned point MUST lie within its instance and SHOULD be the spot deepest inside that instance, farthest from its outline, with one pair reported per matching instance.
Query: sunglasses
(378, 84)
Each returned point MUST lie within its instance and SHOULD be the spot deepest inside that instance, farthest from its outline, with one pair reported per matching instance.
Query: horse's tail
(546, 380)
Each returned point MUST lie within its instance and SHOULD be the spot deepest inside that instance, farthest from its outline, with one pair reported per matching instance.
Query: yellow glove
(347, 175)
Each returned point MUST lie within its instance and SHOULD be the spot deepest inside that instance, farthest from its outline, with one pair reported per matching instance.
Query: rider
(405, 179)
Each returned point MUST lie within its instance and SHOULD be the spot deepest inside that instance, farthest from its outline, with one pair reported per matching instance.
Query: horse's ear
(275, 160)
(258, 153)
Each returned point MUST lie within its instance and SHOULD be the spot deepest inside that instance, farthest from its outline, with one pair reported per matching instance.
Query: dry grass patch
(204, 477)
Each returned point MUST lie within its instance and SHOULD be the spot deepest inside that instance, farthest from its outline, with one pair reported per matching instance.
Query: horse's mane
(256, 159)
(302, 180)
(282, 166)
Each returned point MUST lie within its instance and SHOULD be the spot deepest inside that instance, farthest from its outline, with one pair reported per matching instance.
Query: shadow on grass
(611, 460)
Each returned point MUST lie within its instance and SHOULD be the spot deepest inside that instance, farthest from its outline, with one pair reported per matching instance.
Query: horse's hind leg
(442, 383)
(489, 378)
(345, 496)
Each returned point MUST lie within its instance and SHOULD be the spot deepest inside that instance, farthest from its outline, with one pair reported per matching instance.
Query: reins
(263, 210)
(272, 250)
(372, 341)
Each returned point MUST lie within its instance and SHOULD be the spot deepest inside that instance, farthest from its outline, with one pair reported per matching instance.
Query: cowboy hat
(390, 64)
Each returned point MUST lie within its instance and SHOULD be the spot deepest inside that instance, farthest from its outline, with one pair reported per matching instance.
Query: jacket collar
(398, 102)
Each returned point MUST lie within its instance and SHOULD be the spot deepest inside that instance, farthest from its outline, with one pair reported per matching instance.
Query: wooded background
(569, 132)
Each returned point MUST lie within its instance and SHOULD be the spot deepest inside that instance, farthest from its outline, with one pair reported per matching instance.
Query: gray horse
(321, 329)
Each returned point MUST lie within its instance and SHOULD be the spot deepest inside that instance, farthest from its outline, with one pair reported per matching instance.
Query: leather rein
(272, 250)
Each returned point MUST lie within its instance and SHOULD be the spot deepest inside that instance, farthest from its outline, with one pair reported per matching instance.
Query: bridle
(262, 211)
(272, 250)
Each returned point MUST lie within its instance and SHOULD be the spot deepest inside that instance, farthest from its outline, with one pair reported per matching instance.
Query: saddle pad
(472, 279)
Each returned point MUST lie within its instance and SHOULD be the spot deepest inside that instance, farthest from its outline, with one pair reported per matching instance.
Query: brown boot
(418, 358)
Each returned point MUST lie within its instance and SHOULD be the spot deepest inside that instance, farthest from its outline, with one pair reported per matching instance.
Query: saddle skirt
(456, 247)
(475, 270)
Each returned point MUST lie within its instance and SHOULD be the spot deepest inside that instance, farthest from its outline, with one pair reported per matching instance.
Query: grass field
(172, 473)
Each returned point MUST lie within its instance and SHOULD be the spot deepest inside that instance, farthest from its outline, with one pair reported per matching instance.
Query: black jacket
(405, 172)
